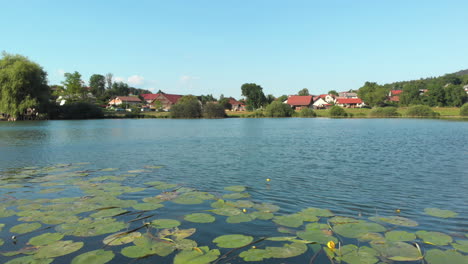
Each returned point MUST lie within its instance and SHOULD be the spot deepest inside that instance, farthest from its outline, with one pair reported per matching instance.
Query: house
(394, 95)
(350, 102)
(466, 88)
(320, 103)
(298, 102)
(130, 100)
(165, 101)
(149, 98)
(329, 98)
(236, 105)
(348, 95)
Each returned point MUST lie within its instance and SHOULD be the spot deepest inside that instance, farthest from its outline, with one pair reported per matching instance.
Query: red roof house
(350, 102)
(236, 105)
(300, 101)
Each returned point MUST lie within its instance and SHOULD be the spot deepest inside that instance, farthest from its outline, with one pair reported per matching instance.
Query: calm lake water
(354, 167)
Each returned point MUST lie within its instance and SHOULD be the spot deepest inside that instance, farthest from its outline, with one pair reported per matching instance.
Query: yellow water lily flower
(268, 180)
(244, 210)
(331, 245)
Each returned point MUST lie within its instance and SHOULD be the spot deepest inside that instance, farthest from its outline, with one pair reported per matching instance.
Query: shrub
(278, 109)
(421, 111)
(187, 107)
(212, 110)
(464, 110)
(257, 113)
(80, 110)
(384, 112)
(337, 111)
(307, 112)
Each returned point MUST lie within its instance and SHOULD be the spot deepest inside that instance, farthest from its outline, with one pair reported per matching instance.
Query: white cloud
(136, 80)
(118, 79)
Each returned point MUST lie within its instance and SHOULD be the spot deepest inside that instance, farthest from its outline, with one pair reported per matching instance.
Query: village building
(350, 102)
(236, 105)
(297, 102)
(394, 95)
(130, 100)
(347, 95)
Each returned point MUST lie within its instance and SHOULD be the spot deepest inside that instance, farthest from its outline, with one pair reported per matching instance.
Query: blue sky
(213, 47)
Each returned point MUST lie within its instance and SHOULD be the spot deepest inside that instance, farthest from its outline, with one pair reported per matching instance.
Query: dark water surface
(354, 167)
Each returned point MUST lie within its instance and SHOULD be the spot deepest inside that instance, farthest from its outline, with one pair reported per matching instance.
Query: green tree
(373, 94)
(336, 111)
(74, 85)
(270, 98)
(303, 92)
(411, 92)
(212, 110)
(333, 92)
(254, 95)
(464, 110)
(109, 77)
(435, 95)
(224, 102)
(455, 95)
(278, 109)
(120, 88)
(187, 107)
(97, 82)
(23, 86)
(282, 98)
(421, 111)
(307, 112)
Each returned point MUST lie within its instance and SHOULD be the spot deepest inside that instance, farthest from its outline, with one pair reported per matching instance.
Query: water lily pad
(437, 256)
(316, 226)
(147, 206)
(236, 195)
(45, 239)
(371, 236)
(397, 251)
(57, 249)
(121, 238)
(200, 218)
(287, 250)
(25, 228)
(319, 236)
(227, 211)
(461, 245)
(399, 236)
(440, 212)
(355, 230)
(262, 215)
(293, 220)
(99, 256)
(146, 246)
(358, 255)
(1, 242)
(6, 213)
(317, 212)
(165, 223)
(267, 207)
(109, 169)
(343, 220)
(29, 260)
(240, 218)
(1, 226)
(201, 256)
(89, 227)
(434, 238)
(193, 198)
(241, 203)
(235, 188)
(255, 254)
(232, 241)
(395, 220)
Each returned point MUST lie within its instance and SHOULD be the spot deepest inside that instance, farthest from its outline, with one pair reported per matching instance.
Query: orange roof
(349, 101)
(298, 100)
(149, 96)
(396, 92)
(395, 98)
(128, 98)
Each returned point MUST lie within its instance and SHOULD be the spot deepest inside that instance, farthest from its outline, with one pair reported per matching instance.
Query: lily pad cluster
(84, 215)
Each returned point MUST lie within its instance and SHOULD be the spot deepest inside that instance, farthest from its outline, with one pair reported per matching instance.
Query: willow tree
(23, 86)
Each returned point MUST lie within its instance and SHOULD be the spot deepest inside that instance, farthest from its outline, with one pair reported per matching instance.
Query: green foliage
(208, 98)
(307, 112)
(282, 98)
(464, 110)
(23, 85)
(421, 111)
(80, 110)
(74, 85)
(384, 112)
(373, 94)
(411, 91)
(187, 107)
(333, 92)
(337, 111)
(97, 82)
(278, 109)
(270, 98)
(120, 89)
(257, 113)
(455, 95)
(212, 110)
(303, 92)
(254, 95)
(225, 103)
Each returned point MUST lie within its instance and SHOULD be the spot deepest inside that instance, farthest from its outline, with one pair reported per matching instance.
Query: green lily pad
(371, 237)
(317, 212)
(239, 195)
(240, 218)
(57, 249)
(137, 252)
(356, 230)
(440, 212)
(1, 226)
(461, 245)
(255, 254)
(235, 188)
(232, 241)
(316, 226)
(397, 251)
(153, 167)
(352, 254)
(99, 256)
(203, 256)
(29, 260)
(184, 244)
(6, 213)
(52, 190)
(287, 250)
(109, 169)
(293, 220)
(399, 236)
(200, 218)
(89, 227)
(437, 256)
(395, 220)
(45, 239)
(241, 203)
(180, 234)
(146, 246)
(165, 223)
(25, 228)
(227, 211)
(193, 197)
(266, 207)
(1, 242)
(434, 238)
(319, 236)
(121, 238)
(147, 206)
(343, 220)
(262, 215)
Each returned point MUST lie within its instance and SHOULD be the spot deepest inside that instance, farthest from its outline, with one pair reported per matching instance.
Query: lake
(381, 172)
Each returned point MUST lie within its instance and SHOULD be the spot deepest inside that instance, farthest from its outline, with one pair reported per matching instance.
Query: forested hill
(462, 72)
